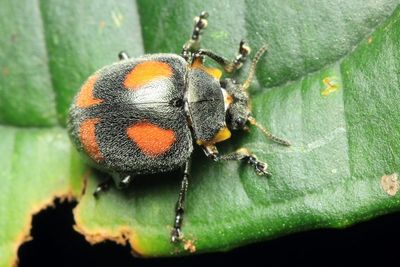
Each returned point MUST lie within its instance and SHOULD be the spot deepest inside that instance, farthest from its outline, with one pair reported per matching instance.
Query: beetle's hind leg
(242, 154)
(102, 187)
(228, 65)
(120, 180)
(193, 44)
(176, 233)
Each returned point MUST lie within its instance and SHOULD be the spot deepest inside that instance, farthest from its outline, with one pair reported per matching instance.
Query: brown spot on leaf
(102, 24)
(122, 235)
(330, 86)
(14, 37)
(189, 245)
(390, 184)
(5, 71)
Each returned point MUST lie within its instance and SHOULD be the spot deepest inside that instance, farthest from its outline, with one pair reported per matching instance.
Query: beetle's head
(238, 112)
(237, 102)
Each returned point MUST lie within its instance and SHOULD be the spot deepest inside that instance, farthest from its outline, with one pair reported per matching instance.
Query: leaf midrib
(47, 59)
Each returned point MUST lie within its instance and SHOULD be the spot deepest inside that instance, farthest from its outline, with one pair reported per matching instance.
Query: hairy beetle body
(143, 115)
(137, 126)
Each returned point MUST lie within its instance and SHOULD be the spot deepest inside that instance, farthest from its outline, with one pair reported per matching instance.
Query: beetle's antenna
(267, 133)
(252, 71)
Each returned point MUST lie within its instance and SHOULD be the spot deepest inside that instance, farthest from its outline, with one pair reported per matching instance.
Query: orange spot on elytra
(146, 72)
(87, 135)
(151, 139)
(85, 97)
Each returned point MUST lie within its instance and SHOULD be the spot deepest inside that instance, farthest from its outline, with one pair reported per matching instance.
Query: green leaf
(47, 50)
(325, 114)
(329, 83)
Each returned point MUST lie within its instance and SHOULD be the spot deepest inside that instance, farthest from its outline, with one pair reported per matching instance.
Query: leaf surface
(329, 84)
(330, 177)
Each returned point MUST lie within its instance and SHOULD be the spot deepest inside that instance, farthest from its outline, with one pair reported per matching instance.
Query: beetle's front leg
(242, 154)
(193, 44)
(228, 65)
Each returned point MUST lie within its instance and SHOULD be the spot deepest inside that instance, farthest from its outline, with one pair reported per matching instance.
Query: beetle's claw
(261, 169)
(244, 48)
(201, 21)
(176, 235)
(97, 192)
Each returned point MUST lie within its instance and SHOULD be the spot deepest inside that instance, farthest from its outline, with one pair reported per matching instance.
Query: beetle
(143, 115)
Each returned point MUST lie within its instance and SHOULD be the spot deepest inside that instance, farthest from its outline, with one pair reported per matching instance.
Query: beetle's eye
(240, 121)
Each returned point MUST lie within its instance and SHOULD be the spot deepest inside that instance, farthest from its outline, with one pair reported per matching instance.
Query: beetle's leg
(193, 44)
(122, 180)
(229, 66)
(102, 187)
(176, 233)
(123, 55)
(242, 154)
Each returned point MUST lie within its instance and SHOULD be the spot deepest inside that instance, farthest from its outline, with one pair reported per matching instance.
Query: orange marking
(214, 72)
(85, 97)
(197, 63)
(220, 136)
(151, 139)
(87, 136)
(146, 72)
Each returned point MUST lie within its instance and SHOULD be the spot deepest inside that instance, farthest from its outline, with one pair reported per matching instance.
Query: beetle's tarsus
(259, 167)
(176, 235)
(242, 154)
(102, 187)
(193, 44)
(125, 182)
(244, 51)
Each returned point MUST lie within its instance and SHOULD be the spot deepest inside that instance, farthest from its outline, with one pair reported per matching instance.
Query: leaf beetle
(143, 115)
